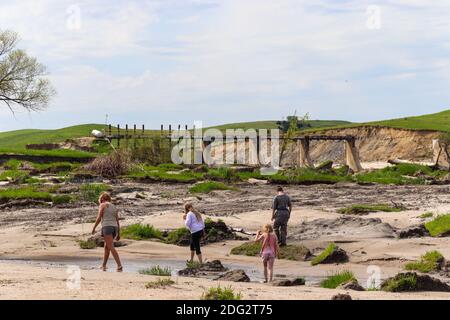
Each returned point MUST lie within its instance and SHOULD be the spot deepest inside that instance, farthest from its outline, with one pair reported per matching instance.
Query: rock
(257, 181)
(209, 268)
(213, 266)
(351, 285)
(288, 283)
(84, 177)
(4, 204)
(341, 296)
(411, 281)
(234, 276)
(99, 242)
(325, 166)
(68, 189)
(140, 196)
(338, 255)
(413, 232)
(352, 227)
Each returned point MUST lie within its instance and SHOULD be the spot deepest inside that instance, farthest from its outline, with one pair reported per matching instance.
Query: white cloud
(250, 59)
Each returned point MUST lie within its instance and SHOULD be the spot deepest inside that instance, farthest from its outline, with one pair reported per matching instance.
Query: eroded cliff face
(374, 144)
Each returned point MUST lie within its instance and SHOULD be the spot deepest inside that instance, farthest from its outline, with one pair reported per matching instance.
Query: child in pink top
(269, 250)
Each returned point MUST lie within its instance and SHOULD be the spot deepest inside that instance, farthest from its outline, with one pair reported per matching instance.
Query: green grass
(321, 257)
(436, 121)
(336, 279)
(14, 175)
(400, 174)
(87, 244)
(306, 176)
(439, 225)
(426, 215)
(156, 271)
(174, 236)
(251, 249)
(272, 124)
(12, 164)
(289, 252)
(75, 154)
(367, 208)
(193, 264)
(160, 283)
(428, 262)
(24, 193)
(141, 232)
(90, 192)
(219, 293)
(164, 172)
(20, 138)
(401, 282)
(208, 186)
(62, 199)
(55, 167)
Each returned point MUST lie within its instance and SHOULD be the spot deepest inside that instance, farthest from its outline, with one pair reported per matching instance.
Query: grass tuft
(428, 262)
(367, 208)
(401, 282)
(336, 279)
(87, 244)
(24, 193)
(321, 257)
(439, 226)
(289, 252)
(141, 232)
(426, 215)
(160, 283)
(157, 271)
(90, 192)
(208, 186)
(219, 293)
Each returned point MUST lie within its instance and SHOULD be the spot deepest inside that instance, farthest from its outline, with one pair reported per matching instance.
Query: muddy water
(135, 265)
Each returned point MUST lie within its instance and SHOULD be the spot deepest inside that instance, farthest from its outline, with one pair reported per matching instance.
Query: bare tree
(22, 78)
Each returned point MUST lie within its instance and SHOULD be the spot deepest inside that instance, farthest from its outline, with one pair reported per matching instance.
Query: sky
(174, 62)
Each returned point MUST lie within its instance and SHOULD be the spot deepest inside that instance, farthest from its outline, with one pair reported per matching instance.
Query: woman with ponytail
(194, 222)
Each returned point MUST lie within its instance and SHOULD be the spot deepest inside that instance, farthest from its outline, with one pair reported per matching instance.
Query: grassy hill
(273, 124)
(435, 122)
(15, 141)
(20, 138)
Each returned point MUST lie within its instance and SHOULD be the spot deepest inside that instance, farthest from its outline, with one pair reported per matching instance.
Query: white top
(193, 224)
(109, 216)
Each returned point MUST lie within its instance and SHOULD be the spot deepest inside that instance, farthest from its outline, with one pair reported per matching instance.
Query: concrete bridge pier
(304, 159)
(441, 158)
(352, 156)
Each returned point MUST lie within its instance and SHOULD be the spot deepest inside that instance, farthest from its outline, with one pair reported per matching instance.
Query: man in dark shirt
(281, 212)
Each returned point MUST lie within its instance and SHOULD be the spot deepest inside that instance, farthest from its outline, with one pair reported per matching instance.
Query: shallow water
(135, 265)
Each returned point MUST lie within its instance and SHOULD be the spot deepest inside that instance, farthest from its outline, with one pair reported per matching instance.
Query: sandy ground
(38, 244)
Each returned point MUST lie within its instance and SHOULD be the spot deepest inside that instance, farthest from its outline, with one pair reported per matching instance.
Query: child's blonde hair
(268, 228)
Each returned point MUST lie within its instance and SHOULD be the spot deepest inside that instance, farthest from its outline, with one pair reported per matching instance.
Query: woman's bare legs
(109, 244)
(192, 256)
(105, 256)
(200, 258)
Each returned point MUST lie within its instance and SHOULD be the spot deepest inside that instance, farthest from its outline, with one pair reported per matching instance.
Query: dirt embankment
(374, 144)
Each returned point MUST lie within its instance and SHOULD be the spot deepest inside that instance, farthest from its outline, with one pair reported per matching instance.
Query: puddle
(133, 266)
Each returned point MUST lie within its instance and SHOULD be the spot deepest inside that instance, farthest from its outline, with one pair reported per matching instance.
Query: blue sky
(219, 61)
